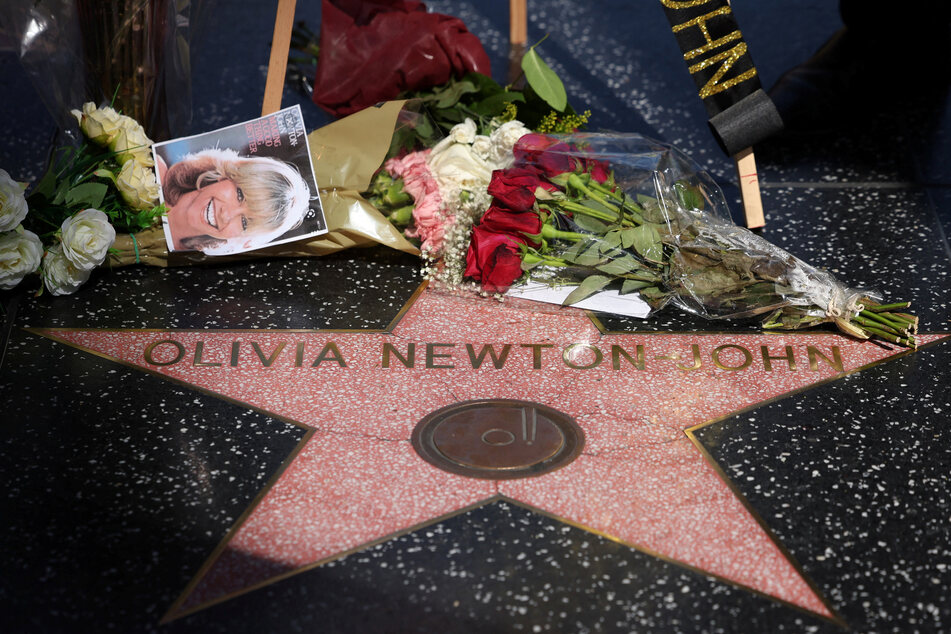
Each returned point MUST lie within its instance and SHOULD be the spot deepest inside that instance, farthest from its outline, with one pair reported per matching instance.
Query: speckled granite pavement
(822, 493)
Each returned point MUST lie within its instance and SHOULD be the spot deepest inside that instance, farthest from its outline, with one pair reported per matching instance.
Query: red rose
(493, 259)
(545, 153)
(518, 223)
(515, 187)
(599, 171)
(371, 52)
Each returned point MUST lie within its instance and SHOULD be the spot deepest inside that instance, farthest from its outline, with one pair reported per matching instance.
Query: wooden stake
(280, 47)
(518, 22)
(518, 36)
(749, 188)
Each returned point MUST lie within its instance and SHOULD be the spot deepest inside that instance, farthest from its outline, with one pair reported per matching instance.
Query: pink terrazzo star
(356, 479)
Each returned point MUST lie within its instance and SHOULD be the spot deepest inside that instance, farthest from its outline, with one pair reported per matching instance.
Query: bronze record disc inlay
(498, 439)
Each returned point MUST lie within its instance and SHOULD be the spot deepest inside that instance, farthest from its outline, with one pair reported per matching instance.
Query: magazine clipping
(240, 188)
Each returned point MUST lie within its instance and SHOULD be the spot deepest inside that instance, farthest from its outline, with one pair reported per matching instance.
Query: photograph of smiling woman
(219, 202)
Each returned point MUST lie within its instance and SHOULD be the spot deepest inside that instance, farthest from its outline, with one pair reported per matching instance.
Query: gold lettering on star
(220, 356)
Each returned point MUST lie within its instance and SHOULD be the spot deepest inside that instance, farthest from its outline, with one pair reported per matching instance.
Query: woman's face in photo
(216, 210)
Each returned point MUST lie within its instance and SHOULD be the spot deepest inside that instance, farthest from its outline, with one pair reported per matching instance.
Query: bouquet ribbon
(718, 59)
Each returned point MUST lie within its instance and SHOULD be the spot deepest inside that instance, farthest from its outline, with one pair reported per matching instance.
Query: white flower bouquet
(73, 212)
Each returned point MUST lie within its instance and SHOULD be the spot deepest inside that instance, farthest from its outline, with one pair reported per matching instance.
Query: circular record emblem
(498, 439)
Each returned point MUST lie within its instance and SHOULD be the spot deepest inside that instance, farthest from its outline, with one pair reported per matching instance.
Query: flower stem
(550, 232)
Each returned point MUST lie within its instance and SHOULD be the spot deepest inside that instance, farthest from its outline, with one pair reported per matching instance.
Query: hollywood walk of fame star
(356, 479)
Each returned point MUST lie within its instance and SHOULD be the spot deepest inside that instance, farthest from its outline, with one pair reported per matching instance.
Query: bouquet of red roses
(596, 211)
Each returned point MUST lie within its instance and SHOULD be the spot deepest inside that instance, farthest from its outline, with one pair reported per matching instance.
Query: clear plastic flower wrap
(622, 212)
(132, 54)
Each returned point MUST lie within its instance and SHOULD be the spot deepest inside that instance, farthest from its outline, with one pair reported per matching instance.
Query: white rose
(20, 255)
(130, 143)
(482, 146)
(464, 132)
(13, 206)
(100, 125)
(504, 139)
(86, 238)
(59, 274)
(458, 166)
(136, 184)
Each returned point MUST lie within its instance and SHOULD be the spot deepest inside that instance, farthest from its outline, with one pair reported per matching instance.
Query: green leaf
(689, 196)
(451, 95)
(87, 195)
(544, 81)
(60, 194)
(591, 257)
(494, 104)
(47, 184)
(452, 115)
(654, 296)
(631, 286)
(587, 223)
(613, 239)
(618, 266)
(595, 205)
(484, 84)
(646, 241)
(591, 285)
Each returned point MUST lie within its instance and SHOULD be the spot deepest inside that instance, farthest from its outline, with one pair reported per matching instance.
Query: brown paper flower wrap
(346, 154)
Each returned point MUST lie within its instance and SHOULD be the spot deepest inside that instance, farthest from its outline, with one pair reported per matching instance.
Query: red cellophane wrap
(371, 51)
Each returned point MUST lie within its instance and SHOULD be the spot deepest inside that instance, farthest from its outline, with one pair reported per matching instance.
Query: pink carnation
(430, 216)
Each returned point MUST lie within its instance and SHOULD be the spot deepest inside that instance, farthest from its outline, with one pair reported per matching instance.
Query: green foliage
(543, 80)
(82, 178)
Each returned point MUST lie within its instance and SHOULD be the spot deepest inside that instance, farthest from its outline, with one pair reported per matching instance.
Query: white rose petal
(86, 238)
(136, 184)
(100, 125)
(20, 255)
(59, 274)
(464, 132)
(13, 207)
(459, 167)
(504, 139)
(482, 146)
(130, 143)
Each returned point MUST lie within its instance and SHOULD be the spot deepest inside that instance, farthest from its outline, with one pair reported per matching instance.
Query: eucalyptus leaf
(591, 285)
(544, 81)
(87, 195)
